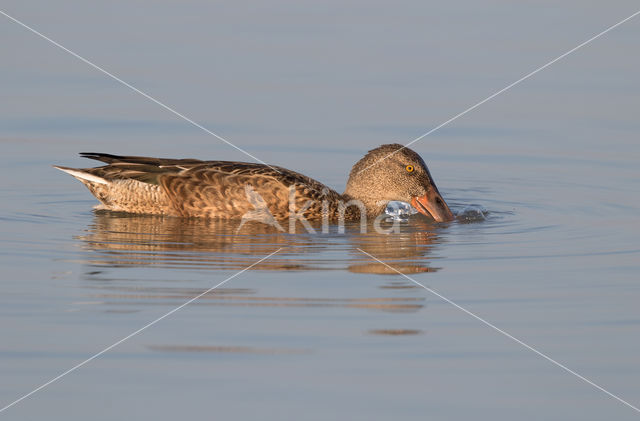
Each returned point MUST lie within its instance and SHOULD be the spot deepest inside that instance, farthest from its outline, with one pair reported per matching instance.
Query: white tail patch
(173, 166)
(83, 175)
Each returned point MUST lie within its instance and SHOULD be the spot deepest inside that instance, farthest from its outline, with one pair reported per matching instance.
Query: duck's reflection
(406, 251)
(128, 241)
(117, 240)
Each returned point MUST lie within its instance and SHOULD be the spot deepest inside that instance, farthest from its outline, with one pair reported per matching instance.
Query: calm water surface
(321, 331)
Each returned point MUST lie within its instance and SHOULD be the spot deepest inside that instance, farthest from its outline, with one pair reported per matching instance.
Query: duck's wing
(215, 188)
(147, 169)
(139, 168)
(225, 189)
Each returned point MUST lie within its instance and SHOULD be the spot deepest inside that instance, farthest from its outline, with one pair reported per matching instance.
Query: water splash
(472, 213)
(399, 211)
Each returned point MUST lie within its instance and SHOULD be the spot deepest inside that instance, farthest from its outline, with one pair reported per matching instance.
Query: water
(544, 180)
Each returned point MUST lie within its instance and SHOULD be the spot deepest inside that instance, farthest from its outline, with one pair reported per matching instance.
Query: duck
(232, 190)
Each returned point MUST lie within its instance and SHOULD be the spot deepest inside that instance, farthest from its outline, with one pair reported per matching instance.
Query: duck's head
(394, 172)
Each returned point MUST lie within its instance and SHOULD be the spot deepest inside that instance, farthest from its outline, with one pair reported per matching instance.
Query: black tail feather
(103, 157)
(112, 159)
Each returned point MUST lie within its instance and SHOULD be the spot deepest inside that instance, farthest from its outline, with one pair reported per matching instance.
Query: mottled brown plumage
(233, 190)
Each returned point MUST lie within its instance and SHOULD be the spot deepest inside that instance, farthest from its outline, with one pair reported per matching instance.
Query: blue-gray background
(312, 86)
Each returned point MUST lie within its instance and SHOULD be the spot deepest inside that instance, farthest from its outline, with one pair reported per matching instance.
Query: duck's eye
(409, 168)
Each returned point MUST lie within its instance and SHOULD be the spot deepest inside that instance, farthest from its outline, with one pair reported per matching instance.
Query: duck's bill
(433, 205)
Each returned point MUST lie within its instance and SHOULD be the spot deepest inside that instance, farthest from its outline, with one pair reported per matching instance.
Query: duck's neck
(364, 188)
(372, 206)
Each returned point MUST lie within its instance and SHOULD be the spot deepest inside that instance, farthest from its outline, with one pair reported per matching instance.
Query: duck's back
(195, 188)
